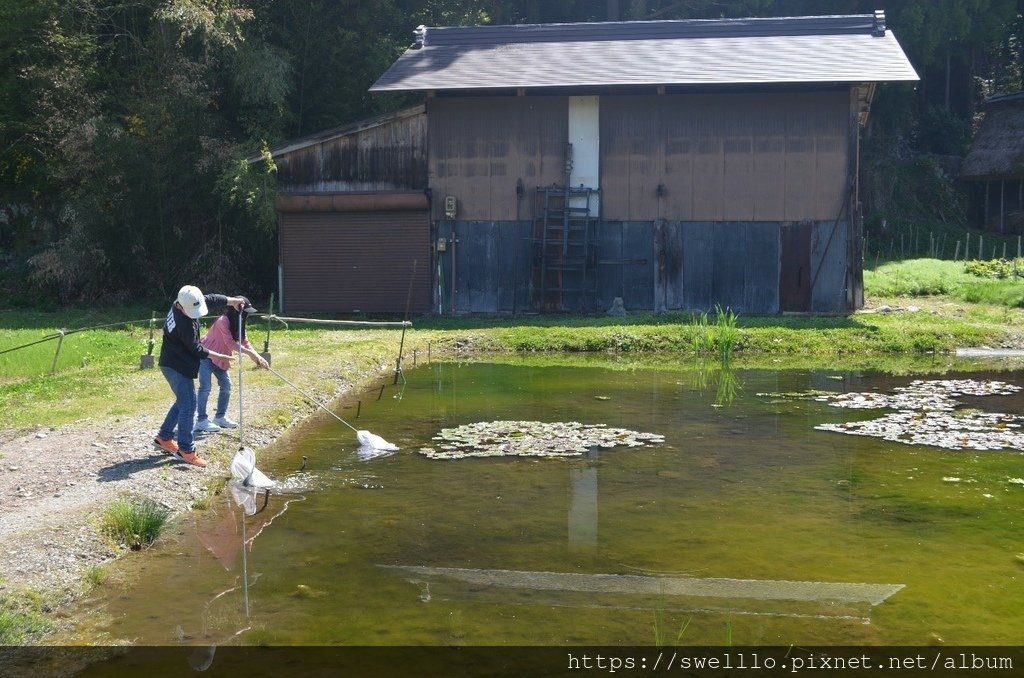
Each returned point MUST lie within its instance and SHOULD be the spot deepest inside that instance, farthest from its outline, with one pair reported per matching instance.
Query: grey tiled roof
(697, 52)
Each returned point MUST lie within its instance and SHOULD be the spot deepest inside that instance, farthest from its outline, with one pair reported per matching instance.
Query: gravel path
(56, 482)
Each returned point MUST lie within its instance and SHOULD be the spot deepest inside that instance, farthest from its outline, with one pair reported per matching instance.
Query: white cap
(192, 302)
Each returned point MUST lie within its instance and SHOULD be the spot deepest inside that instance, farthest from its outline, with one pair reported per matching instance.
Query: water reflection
(247, 513)
(717, 375)
(583, 504)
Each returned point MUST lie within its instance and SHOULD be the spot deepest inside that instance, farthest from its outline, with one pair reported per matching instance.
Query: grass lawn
(941, 307)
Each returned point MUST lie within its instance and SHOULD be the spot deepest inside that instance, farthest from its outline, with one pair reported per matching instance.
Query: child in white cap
(180, 354)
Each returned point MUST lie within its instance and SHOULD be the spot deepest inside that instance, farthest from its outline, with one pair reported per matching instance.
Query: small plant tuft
(728, 335)
(134, 522)
(95, 576)
(21, 619)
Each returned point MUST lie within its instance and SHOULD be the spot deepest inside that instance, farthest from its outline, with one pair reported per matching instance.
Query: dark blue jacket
(181, 350)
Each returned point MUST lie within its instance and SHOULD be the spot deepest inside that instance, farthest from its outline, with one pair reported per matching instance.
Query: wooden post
(956, 254)
(146, 361)
(1002, 202)
(981, 252)
(60, 342)
(266, 343)
(985, 223)
(967, 247)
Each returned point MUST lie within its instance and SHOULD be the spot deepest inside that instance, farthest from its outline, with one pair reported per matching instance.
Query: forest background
(125, 124)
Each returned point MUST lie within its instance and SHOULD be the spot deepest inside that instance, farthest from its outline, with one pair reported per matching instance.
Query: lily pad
(928, 412)
(531, 439)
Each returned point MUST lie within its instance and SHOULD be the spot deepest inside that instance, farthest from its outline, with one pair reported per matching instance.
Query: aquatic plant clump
(532, 439)
(962, 431)
(927, 415)
(938, 395)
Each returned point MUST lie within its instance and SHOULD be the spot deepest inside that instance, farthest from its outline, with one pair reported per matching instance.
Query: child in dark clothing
(180, 354)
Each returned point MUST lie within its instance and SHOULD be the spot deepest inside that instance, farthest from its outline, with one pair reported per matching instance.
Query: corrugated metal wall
(481, 146)
(343, 262)
(388, 156)
(724, 157)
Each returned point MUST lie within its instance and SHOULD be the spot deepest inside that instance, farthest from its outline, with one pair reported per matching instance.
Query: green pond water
(746, 525)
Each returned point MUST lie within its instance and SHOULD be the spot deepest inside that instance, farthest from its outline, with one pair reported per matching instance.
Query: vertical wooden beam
(984, 224)
(1002, 202)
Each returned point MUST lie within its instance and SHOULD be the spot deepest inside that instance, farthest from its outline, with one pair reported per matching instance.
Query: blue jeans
(182, 412)
(206, 367)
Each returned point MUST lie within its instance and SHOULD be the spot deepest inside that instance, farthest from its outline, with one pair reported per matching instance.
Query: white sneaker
(224, 422)
(205, 426)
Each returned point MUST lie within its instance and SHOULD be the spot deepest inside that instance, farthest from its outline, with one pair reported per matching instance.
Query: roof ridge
(430, 36)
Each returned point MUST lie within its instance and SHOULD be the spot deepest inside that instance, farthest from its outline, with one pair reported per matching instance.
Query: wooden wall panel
(728, 277)
(706, 182)
(762, 269)
(479, 148)
(698, 245)
(384, 157)
(722, 157)
(631, 156)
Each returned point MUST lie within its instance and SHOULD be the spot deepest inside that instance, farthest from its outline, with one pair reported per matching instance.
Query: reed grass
(134, 522)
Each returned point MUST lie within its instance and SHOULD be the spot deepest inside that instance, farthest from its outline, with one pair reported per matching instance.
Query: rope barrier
(60, 334)
(363, 323)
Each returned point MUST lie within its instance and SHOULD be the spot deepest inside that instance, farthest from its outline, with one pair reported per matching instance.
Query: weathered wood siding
(480, 147)
(725, 157)
(387, 156)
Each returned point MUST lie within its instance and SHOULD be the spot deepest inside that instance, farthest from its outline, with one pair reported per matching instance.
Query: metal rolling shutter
(343, 262)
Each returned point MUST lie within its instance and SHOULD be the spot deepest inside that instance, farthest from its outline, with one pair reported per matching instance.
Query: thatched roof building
(998, 150)
(995, 164)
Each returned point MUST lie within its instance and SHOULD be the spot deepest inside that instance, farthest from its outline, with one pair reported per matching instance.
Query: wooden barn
(994, 166)
(557, 167)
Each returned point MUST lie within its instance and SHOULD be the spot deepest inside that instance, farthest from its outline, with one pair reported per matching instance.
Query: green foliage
(20, 620)
(728, 335)
(95, 576)
(958, 280)
(124, 126)
(943, 132)
(907, 190)
(252, 187)
(994, 268)
(134, 522)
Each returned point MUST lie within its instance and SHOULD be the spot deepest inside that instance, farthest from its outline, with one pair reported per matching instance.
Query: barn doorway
(795, 270)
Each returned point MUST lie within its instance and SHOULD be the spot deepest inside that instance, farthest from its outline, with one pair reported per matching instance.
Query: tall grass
(723, 335)
(134, 522)
(933, 277)
(728, 335)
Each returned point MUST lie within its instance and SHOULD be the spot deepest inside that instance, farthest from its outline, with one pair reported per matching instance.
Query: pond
(747, 524)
